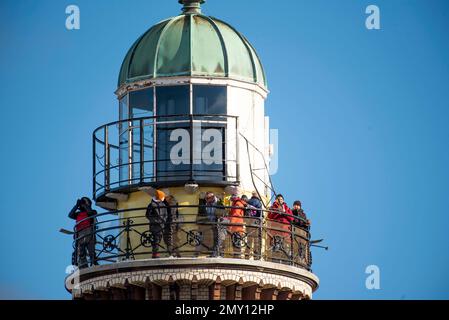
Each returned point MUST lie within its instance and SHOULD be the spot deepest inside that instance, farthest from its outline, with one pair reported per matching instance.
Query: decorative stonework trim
(146, 83)
(233, 267)
(287, 287)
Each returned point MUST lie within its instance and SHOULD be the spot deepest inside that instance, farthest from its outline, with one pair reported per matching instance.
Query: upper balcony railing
(165, 150)
(190, 231)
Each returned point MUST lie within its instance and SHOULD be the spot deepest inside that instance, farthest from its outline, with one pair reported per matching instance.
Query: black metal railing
(137, 152)
(130, 235)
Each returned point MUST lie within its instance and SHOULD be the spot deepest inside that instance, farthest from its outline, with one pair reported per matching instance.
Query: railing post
(106, 159)
(142, 150)
(237, 151)
(155, 144)
(220, 238)
(224, 153)
(130, 152)
(309, 257)
(171, 217)
(309, 253)
(260, 235)
(94, 234)
(128, 239)
(94, 166)
(291, 244)
(191, 146)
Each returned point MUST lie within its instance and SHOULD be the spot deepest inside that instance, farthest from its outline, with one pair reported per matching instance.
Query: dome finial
(191, 6)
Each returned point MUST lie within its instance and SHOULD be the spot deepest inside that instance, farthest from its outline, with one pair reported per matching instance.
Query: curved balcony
(128, 235)
(164, 151)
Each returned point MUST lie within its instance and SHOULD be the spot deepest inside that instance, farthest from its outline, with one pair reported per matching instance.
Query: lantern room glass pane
(148, 150)
(124, 142)
(141, 103)
(210, 166)
(173, 100)
(168, 168)
(209, 99)
(123, 108)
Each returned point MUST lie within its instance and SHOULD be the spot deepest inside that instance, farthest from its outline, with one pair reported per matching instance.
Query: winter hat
(159, 195)
(234, 197)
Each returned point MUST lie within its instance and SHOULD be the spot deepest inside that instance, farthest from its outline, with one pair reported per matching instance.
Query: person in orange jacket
(236, 214)
(237, 227)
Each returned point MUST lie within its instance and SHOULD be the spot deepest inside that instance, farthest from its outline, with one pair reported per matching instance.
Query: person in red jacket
(85, 238)
(283, 216)
(280, 211)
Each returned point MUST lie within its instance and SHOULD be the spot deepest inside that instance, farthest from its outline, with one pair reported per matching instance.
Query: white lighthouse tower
(192, 121)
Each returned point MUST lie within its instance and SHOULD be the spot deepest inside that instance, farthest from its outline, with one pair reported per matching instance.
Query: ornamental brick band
(196, 279)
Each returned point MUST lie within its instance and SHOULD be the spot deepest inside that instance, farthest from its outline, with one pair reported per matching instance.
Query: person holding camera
(85, 238)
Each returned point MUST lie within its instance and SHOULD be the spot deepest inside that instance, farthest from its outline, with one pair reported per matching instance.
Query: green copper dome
(192, 44)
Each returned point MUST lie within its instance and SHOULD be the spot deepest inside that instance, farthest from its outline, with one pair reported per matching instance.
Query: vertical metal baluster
(94, 166)
(154, 128)
(237, 159)
(224, 154)
(219, 238)
(128, 239)
(291, 244)
(130, 152)
(191, 147)
(171, 226)
(142, 150)
(309, 254)
(106, 159)
(260, 235)
(155, 122)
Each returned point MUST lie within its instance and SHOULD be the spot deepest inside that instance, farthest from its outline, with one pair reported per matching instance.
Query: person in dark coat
(157, 212)
(256, 205)
(245, 199)
(209, 211)
(253, 227)
(301, 220)
(85, 238)
(171, 227)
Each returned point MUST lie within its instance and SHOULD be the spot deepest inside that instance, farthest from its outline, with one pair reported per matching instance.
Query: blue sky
(362, 118)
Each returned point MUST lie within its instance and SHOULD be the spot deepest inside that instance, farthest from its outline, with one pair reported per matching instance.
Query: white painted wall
(249, 106)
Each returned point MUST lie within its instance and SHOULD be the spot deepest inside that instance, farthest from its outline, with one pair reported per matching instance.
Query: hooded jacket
(281, 213)
(157, 212)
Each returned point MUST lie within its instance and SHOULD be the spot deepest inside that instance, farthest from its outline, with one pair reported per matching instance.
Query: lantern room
(191, 94)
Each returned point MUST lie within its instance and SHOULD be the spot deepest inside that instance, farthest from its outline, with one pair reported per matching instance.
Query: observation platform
(190, 257)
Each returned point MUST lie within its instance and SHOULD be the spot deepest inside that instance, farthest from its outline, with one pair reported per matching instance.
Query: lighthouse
(191, 127)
